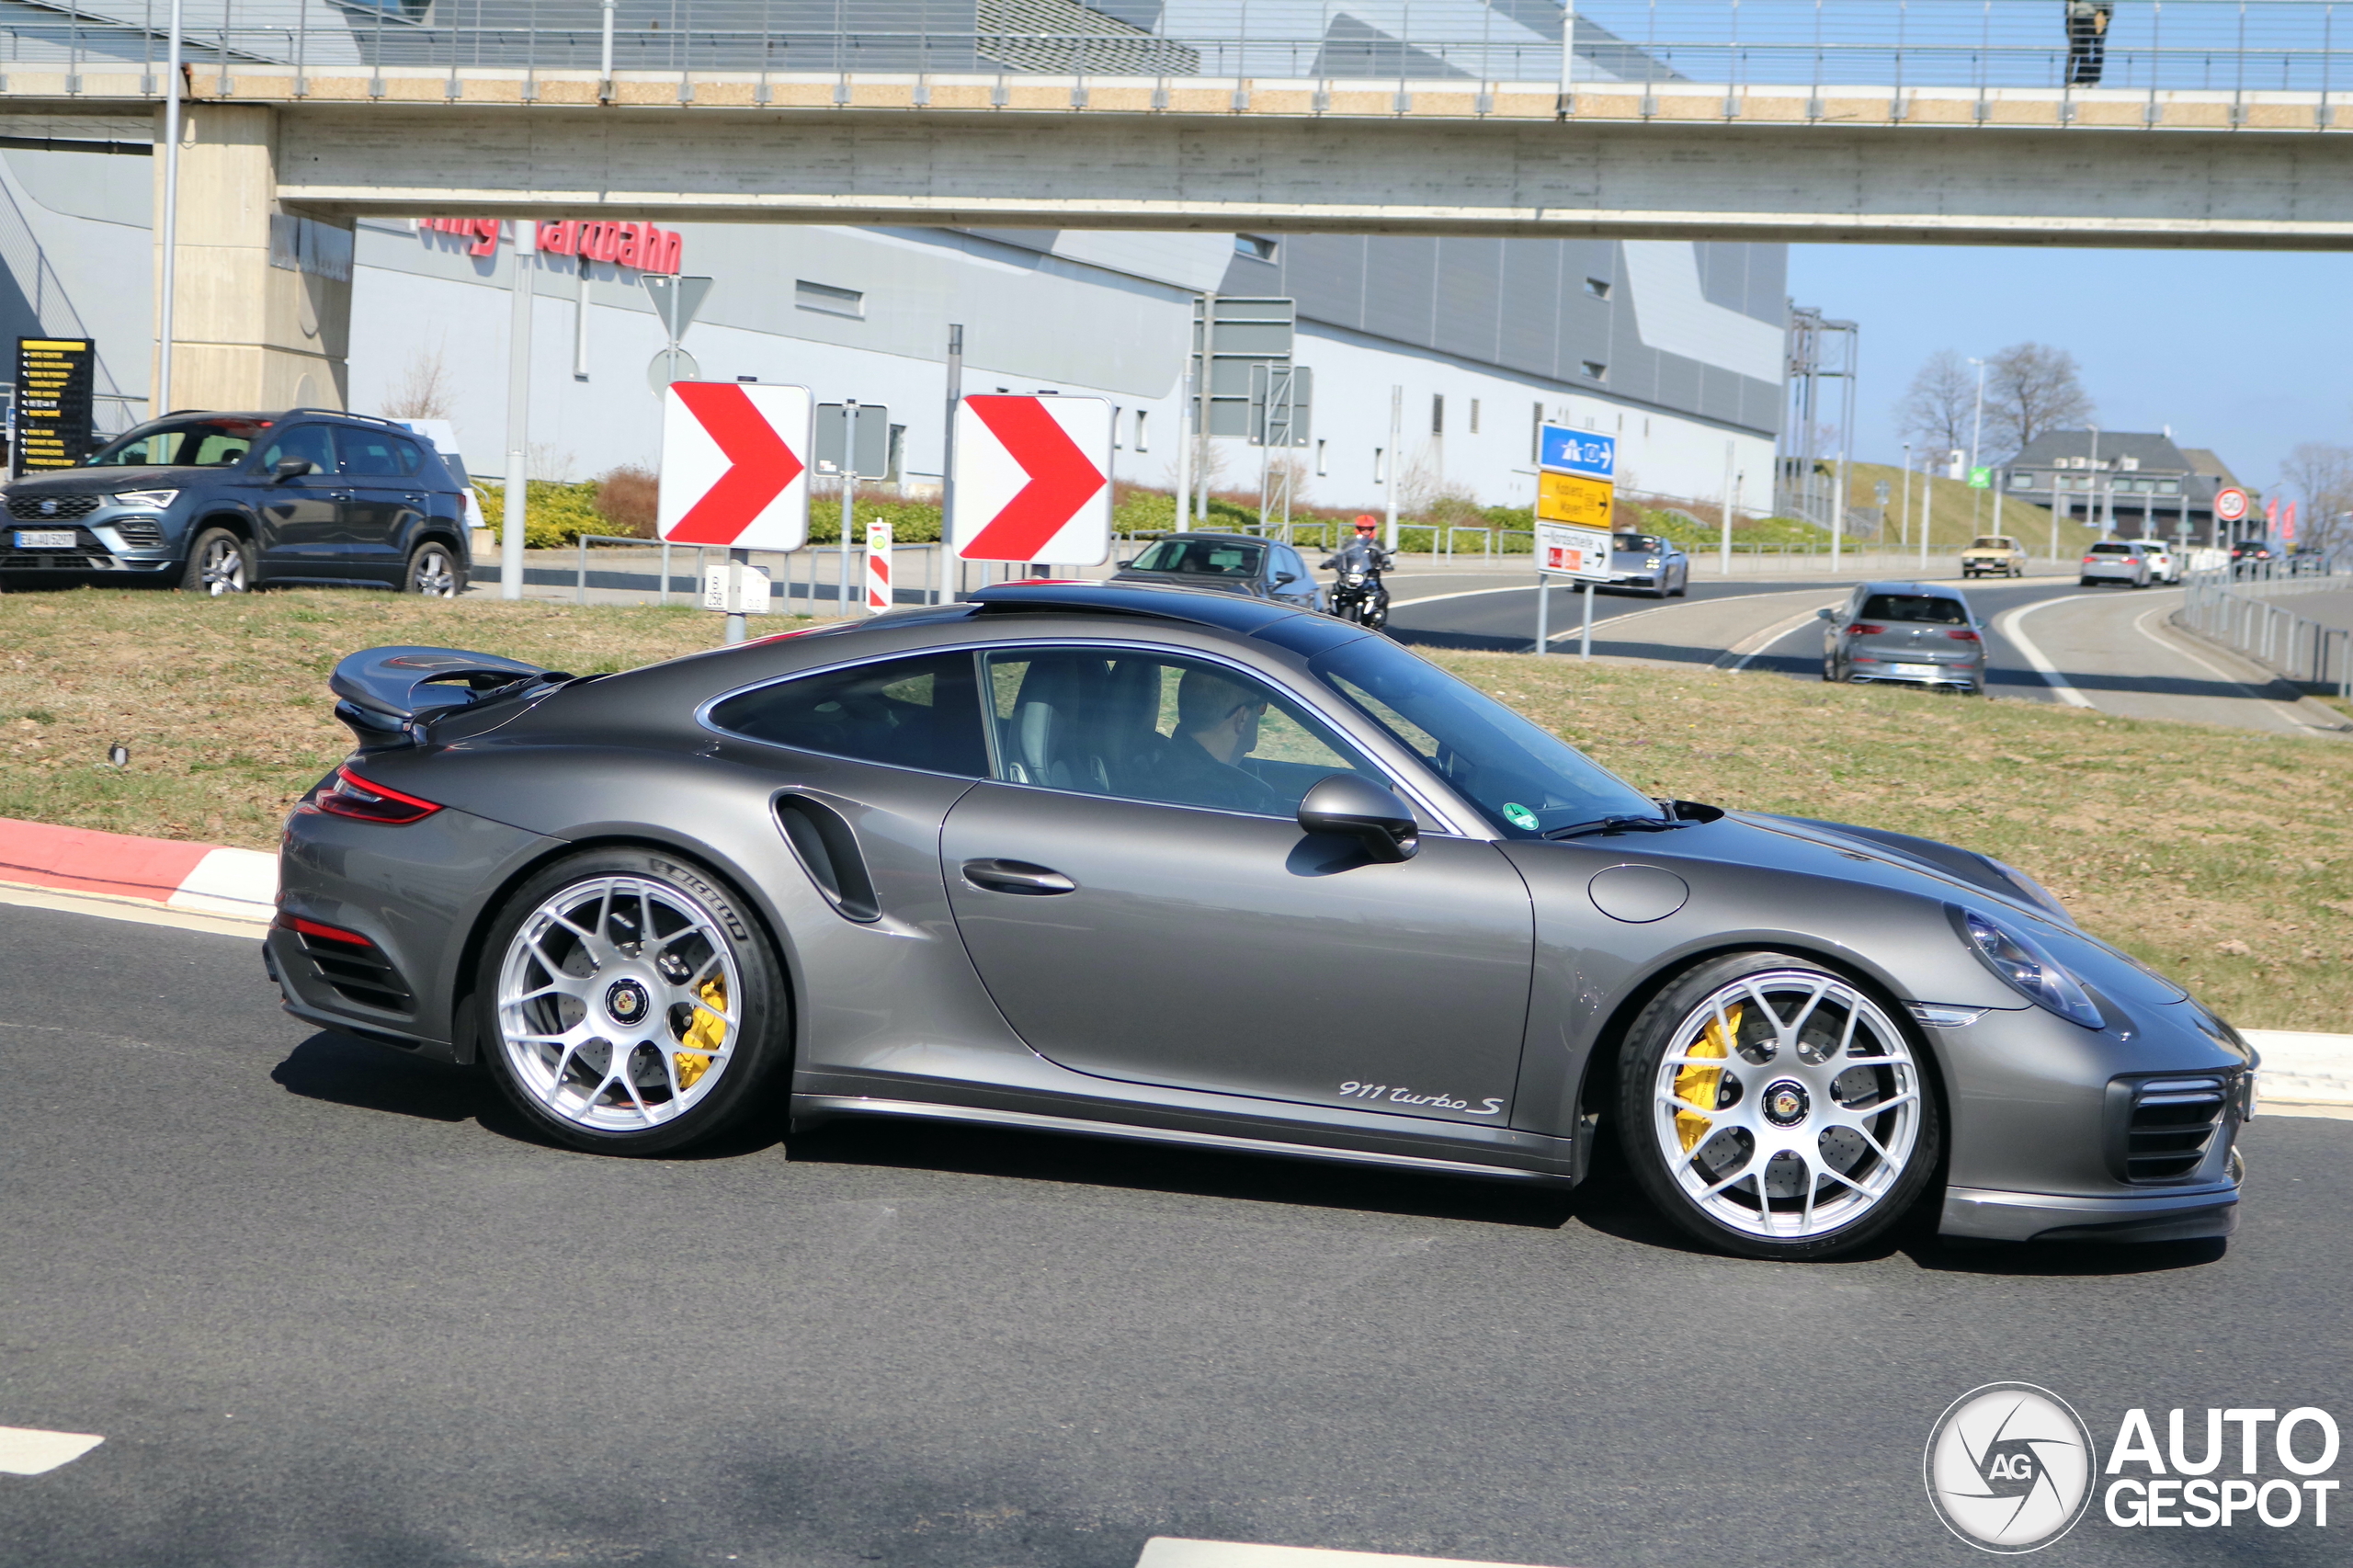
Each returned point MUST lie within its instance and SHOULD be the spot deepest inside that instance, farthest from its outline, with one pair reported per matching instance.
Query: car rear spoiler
(382, 692)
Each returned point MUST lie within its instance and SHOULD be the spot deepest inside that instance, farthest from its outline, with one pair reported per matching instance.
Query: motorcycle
(1358, 595)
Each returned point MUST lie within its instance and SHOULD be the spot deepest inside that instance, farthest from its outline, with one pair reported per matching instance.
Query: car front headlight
(145, 497)
(2028, 967)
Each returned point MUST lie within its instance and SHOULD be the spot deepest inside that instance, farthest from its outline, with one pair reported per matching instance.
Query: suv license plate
(1918, 671)
(44, 539)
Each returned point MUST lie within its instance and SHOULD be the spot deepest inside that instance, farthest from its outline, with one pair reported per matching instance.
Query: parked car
(1651, 563)
(1993, 555)
(2114, 560)
(1234, 563)
(1912, 633)
(2165, 567)
(221, 503)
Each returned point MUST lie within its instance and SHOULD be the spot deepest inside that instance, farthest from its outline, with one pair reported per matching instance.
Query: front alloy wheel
(219, 563)
(1770, 1107)
(631, 1008)
(432, 572)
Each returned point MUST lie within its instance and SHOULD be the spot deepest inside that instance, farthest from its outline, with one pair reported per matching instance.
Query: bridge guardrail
(2231, 46)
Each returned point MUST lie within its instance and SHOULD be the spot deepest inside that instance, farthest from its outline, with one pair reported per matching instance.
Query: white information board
(1564, 551)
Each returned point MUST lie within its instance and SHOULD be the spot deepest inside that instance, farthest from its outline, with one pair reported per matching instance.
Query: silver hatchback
(1918, 633)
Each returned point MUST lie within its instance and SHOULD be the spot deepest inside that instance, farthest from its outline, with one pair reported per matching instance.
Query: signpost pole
(1724, 563)
(1208, 391)
(1585, 642)
(518, 414)
(947, 442)
(159, 396)
(1389, 475)
(849, 490)
(737, 561)
(1544, 611)
(1180, 515)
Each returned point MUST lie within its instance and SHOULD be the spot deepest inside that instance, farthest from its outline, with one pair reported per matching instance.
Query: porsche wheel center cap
(626, 1000)
(1785, 1103)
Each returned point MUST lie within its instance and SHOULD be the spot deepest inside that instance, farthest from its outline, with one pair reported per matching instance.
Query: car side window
(309, 442)
(367, 453)
(409, 455)
(919, 712)
(1148, 727)
(1287, 560)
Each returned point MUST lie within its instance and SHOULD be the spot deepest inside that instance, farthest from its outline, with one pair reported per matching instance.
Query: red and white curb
(25, 1452)
(209, 886)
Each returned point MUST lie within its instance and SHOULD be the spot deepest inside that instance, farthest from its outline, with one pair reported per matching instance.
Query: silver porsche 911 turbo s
(1182, 865)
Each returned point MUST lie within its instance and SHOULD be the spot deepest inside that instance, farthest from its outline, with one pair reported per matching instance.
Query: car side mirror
(291, 468)
(1131, 560)
(1357, 808)
(1286, 578)
(1825, 613)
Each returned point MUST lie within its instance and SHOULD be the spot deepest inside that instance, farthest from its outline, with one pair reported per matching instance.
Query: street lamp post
(1976, 435)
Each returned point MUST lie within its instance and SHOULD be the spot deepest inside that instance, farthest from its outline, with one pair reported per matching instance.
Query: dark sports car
(1204, 869)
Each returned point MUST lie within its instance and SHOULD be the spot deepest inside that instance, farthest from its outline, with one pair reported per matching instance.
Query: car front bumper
(1981, 1214)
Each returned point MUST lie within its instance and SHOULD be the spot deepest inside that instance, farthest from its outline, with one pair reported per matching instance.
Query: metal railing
(2238, 608)
(797, 573)
(2233, 46)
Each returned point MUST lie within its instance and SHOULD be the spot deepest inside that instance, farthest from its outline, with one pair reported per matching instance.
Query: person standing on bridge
(2087, 40)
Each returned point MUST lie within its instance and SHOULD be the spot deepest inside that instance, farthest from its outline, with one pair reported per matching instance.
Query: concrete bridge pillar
(262, 308)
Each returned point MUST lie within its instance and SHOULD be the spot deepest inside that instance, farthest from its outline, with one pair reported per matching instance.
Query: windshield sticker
(1519, 816)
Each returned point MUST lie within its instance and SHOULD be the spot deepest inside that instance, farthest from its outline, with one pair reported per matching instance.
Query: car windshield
(196, 443)
(1204, 557)
(2111, 549)
(1991, 541)
(1933, 608)
(1638, 544)
(1527, 781)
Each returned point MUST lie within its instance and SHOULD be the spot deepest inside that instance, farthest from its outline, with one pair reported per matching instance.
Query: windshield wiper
(1615, 825)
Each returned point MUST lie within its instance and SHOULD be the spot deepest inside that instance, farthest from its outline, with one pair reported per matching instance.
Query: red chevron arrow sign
(734, 465)
(1032, 480)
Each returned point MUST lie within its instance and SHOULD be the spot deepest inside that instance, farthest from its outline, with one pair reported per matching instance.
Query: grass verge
(2223, 857)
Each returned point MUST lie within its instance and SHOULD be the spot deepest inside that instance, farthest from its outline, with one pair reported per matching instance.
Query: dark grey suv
(218, 503)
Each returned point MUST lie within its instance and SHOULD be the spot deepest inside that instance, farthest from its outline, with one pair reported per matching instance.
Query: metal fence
(2240, 610)
(2236, 46)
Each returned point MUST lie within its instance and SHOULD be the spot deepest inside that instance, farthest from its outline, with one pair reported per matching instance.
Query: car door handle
(1016, 876)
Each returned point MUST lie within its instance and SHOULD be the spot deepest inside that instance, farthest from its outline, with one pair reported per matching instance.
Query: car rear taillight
(1864, 629)
(352, 796)
(1962, 634)
(321, 930)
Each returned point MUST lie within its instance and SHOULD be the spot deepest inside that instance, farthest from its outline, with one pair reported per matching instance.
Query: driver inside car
(1217, 726)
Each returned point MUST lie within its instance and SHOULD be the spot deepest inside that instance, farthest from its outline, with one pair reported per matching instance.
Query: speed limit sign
(2229, 504)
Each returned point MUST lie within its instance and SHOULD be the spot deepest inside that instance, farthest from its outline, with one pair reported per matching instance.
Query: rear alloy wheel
(630, 1007)
(1770, 1108)
(432, 572)
(218, 563)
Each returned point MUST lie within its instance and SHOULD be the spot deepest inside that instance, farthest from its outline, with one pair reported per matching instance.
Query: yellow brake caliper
(1696, 1086)
(705, 1035)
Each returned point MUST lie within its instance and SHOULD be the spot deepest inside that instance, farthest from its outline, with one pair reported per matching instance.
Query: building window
(2168, 487)
(1438, 413)
(1597, 287)
(1257, 248)
(829, 301)
(2021, 481)
(1143, 442)
(1116, 411)
(1595, 370)
(1320, 468)
(1474, 417)
(1535, 433)
(1380, 466)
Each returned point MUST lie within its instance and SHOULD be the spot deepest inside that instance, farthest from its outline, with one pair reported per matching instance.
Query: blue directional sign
(1586, 452)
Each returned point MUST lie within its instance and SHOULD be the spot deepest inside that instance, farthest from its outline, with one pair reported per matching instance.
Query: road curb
(196, 879)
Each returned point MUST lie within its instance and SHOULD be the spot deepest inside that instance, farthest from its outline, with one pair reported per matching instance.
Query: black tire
(434, 572)
(2083, 582)
(219, 563)
(648, 1104)
(1776, 1073)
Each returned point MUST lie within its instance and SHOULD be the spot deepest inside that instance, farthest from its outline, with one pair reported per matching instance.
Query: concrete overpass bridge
(2184, 122)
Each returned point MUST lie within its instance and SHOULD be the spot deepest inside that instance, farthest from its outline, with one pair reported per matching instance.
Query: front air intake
(2170, 1124)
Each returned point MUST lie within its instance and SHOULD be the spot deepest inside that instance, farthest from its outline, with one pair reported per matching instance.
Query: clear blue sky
(2246, 352)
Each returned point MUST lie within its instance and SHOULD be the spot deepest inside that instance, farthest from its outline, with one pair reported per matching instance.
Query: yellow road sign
(1565, 498)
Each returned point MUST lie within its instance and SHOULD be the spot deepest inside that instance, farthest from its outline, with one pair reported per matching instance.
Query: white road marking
(2007, 625)
(137, 911)
(25, 1451)
(1167, 1551)
(1756, 642)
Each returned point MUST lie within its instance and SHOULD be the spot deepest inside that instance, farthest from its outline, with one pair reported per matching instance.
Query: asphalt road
(329, 1305)
(2109, 648)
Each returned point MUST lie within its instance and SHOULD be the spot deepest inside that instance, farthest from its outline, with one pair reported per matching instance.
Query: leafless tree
(2323, 472)
(427, 390)
(1939, 408)
(2031, 388)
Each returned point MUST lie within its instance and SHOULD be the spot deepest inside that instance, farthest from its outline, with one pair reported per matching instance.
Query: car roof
(1200, 607)
(1235, 538)
(1934, 590)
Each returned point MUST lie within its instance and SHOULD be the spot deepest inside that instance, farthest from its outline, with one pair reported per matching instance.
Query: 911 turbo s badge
(1398, 1094)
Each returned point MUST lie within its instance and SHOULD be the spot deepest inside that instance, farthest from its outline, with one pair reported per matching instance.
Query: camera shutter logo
(2009, 1467)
